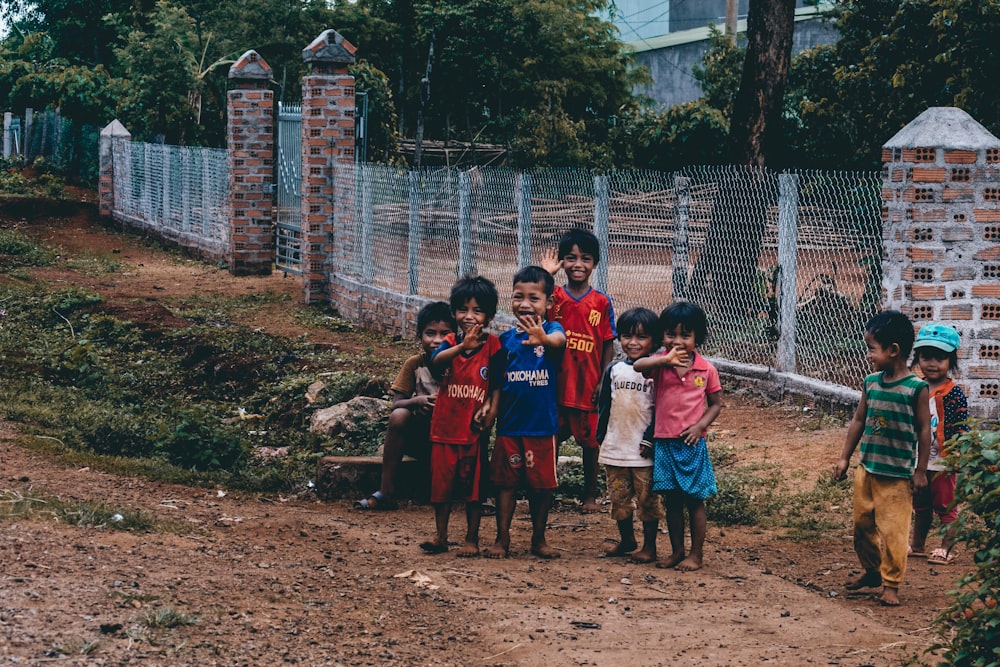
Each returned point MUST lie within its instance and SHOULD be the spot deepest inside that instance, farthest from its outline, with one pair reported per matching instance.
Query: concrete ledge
(781, 386)
(358, 476)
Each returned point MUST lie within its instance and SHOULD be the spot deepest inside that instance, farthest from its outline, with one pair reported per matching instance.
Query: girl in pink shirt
(688, 398)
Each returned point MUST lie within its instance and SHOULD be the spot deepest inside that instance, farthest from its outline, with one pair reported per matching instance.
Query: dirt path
(301, 582)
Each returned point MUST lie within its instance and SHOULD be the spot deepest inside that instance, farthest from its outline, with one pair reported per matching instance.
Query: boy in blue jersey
(527, 421)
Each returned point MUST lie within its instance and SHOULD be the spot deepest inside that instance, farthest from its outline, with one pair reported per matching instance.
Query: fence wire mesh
(63, 145)
(179, 192)
(718, 236)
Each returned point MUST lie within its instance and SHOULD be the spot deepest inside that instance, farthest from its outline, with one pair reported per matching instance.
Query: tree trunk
(755, 128)
(425, 96)
(725, 279)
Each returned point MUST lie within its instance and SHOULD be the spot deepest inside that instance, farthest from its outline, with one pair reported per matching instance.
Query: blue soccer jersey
(528, 397)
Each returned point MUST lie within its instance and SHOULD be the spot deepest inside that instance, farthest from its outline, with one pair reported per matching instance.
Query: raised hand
(532, 325)
(678, 356)
(550, 260)
(472, 338)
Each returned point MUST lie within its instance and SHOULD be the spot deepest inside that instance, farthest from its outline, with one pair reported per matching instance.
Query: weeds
(16, 505)
(75, 647)
(165, 618)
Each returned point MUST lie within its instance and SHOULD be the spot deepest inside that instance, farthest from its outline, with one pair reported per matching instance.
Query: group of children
(644, 417)
(550, 377)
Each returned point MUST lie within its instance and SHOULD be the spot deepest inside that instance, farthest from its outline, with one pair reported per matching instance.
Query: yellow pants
(882, 512)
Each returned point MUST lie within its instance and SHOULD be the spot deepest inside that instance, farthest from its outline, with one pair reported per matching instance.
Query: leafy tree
(893, 60)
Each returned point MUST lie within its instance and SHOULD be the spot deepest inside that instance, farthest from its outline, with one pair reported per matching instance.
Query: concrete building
(670, 37)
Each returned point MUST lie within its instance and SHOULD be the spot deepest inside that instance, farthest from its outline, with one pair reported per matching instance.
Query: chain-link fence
(729, 238)
(65, 146)
(178, 192)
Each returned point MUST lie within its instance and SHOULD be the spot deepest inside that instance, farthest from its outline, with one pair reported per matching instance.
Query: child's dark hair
(536, 274)
(475, 287)
(892, 326)
(629, 322)
(436, 311)
(582, 239)
(934, 353)
(689, 316)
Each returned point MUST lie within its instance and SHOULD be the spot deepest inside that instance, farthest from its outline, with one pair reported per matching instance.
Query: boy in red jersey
(588, 319)
(473, 362)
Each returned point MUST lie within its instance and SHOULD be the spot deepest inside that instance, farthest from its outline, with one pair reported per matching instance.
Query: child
(587, 317)
(688, 399)
(936, 352)
(473, 363)
(414, 392)
(625, 431)
(892, 423)
(525, 446)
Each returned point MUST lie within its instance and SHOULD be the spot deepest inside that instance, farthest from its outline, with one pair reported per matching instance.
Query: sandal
(376, 501)
(940, 557)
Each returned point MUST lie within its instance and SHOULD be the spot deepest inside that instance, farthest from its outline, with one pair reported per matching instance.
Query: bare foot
(498, 550)
(543, 550)
(621, 549)
(689, 564)
(890, 597)
(670, 562)
(590, 506)
(468, 550)
(642, 557)
(870, 579)
(434, 546)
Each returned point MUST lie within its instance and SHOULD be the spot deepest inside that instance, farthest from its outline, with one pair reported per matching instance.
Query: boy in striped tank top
(892, 424)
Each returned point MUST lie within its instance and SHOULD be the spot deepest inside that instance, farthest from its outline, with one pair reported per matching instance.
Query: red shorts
(455, 472)
(581, 424)
(939, 496)
(532, 459)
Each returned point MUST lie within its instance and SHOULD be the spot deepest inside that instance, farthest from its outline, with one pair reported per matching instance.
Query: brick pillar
(111, 132)
(327, 138)
(250, 138)
(941, 192)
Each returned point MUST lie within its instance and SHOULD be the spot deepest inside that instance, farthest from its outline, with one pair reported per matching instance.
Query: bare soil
(297, 581)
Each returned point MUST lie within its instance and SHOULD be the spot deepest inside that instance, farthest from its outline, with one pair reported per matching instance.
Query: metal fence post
(413, 234)
(29, 131)
(147, 190)
(466, 251)
(602, 206)
(367, 225)
(206, 192)
(788, 236)
(522, 198)
(186, 190)
(8, 119)
(682, 196)
(165, 155)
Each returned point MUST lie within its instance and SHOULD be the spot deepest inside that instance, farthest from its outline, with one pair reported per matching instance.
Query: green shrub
(18, 250)
(970, 625)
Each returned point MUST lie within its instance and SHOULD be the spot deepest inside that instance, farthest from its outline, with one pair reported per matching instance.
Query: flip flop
(940, 557)
(376, 501)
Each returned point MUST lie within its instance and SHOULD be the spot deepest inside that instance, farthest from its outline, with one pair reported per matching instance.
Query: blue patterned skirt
(681, 467)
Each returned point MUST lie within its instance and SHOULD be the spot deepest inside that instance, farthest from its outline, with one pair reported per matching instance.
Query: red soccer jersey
(464, 389)
(589, 322)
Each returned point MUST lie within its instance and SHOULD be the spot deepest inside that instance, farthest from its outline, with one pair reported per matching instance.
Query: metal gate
(288, 198)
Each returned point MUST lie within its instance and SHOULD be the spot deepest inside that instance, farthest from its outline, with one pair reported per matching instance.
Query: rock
(342, 418)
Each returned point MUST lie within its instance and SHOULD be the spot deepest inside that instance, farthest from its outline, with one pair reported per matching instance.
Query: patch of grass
(96, 265)
(224, 310)
(322, 317)
(166, 617)
(15, 505)
(75, 647)
(18, 250)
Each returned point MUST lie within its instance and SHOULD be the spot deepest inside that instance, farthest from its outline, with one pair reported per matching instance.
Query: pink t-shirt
(681, 400)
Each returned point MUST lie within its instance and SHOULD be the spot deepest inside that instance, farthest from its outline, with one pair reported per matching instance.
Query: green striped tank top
(889, 443)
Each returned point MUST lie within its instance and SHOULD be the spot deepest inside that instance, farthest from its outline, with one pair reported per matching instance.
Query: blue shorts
(681, 467)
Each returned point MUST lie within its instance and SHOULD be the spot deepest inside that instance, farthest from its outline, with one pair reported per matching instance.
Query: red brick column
(941, 193)
(112, 132)
(327, 138)
(250, 135)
